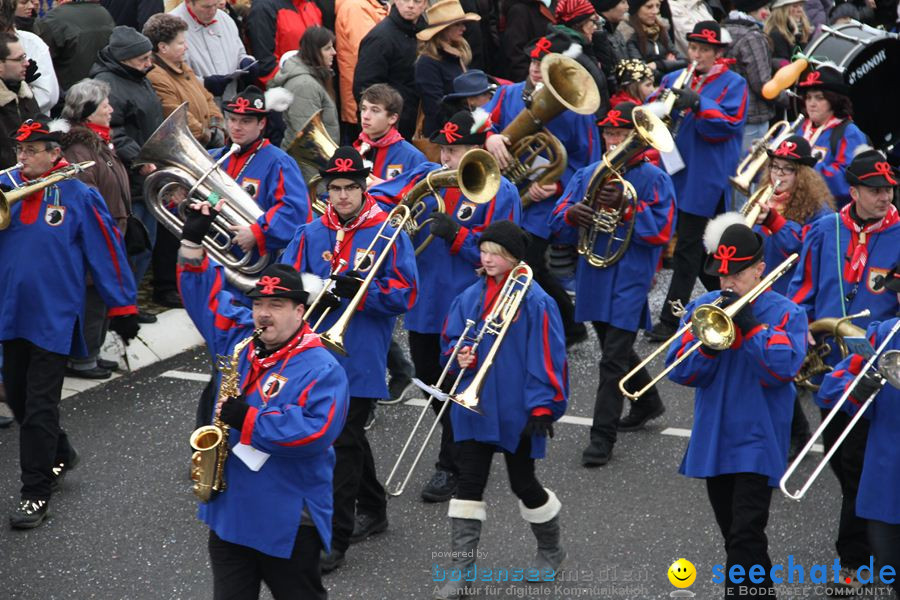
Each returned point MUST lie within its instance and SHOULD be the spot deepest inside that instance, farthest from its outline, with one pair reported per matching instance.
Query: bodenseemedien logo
(682, 574)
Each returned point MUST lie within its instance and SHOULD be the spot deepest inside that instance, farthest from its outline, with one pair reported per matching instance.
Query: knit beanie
(507, 234)
(127, 42)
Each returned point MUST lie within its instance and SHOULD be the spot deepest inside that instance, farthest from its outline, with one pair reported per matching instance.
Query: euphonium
(313, 147)
(477, 176)
(649, 130)
(566, 86)
(835, 328)
(757, 156)
(8, 198)
(210, 442)
(187, 166)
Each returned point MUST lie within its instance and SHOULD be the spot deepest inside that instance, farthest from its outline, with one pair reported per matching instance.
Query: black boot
(640, 412)
(466, 517)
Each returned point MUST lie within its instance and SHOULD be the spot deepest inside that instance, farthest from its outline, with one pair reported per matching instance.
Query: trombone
(496, 324)
(889, 369)
(710, 324)
(333, 339)
(10, 197)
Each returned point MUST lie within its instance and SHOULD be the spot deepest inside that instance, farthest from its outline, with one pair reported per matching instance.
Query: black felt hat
(507, 234)
(870, 168)
(41, 129)
(618, 116)
(346, 163)
(552, 43)
(464, 129)
(824, 78)
(707, 32)
(731, 245)
(794, 148)
(279, 281)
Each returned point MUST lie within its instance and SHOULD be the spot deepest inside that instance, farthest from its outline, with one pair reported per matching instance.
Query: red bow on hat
(812, 78)
(240, 104)
(269, 284)
(451, 132)
(787, 149)
(884, 169)
(27, 129)
(614, 119)
(726, 253)
(709, 35)
(543, 46)
(342, 165)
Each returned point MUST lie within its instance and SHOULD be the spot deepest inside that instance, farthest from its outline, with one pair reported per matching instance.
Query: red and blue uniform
(578, 134)
(274, 181)
(446, 269)
(393, 160)
(56, 237)
(832, 166)
(709, 140)
(745, 394)
(878, 497)
(298, 399)
(529, 375)
(393, 291)
(627, 282)
(783, 237)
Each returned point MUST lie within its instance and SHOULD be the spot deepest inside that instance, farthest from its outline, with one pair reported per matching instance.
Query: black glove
(667, 66)
(126, 326)
(540, 425)
(234, 410)
(329, 302)
(729, 297)
(687, 98)
(870, 383)
(216, 84)
(196, 225)
(346, 285)
(31, 73)
(443, 226)
(610, 196)
(251, 66)
(745, 320)
(581, 214)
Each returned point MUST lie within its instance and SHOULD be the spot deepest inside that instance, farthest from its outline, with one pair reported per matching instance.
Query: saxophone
(210, 442)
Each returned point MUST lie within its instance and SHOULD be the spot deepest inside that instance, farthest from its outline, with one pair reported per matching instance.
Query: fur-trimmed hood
(7, 95)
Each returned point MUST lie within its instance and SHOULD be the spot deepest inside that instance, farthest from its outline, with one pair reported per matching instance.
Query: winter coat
(817, 11)
(750, 48)
(15, 108)
(108, 176)
(686, 14)
(434, 79)
(587, 59)
(276, 26)
(177, 85)
(75, 32)
(353, 20)
(387, 55)
(609, 48)
(782, 47)
(133, 13)
(309, 96)
(655, 51)
(520, 24)
(137, 111)
(46, 87)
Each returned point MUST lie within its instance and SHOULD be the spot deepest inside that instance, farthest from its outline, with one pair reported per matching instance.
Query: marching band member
(344, 233)
(878, 500)
(267, 173)
(578, 133)
(744, 397)
(446, 266)
(55, 237)
(829, 128)
(843, 261)
(382, 147)
(635, 79)
(524, 392)
(271, 522)
(625, 283)
(708, 141)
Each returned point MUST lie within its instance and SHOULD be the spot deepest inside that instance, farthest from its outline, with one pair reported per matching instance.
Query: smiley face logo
(682, 573)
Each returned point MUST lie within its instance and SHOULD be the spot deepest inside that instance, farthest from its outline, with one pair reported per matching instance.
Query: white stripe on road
(187, 375)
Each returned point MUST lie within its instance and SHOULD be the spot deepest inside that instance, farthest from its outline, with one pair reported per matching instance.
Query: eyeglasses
(20, 59)
(20, 151)
(339, 189)
(784, 170)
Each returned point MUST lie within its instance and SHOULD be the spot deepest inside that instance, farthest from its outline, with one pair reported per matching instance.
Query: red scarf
(719, 67)
(304, 339)
(779, 199)
(102, 131)
(391, 137)
(857, 249)
(31, 204)
(193, 16)
(369, 216)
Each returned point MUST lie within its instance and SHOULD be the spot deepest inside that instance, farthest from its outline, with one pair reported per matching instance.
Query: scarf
(720, 66)
(811, 133)
(391, 137)
(261, 360)
(31, 204)
(102, 131)
(370, 214)
(858, 249)
(779, 199)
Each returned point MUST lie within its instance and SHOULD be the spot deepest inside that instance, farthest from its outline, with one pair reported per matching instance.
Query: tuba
(312, 147)
(649, 130)
(8, 198)
(477, 176)
(210, 442)
(186, 165)
(566, 85)
(835, 328)
(757, 157)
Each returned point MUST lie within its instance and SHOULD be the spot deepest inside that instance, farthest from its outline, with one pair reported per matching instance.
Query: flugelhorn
(756, 158)
(710, 324)
(889, 369)
(753, 207)
(8, 198)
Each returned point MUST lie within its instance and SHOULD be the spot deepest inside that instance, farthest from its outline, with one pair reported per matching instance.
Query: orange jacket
(353, 20)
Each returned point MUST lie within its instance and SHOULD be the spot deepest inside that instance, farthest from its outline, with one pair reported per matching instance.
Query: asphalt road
(124, 525)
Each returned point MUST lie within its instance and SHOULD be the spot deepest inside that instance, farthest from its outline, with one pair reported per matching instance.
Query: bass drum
(870, 61)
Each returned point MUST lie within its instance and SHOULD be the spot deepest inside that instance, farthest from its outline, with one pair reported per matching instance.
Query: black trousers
(165, 256)
(535, 256)
(687, 264)
(617, 357)
(397, 363)
(885, 539)
(239, 570)
(33, 378)
(740, 502)
(356, 486)
(852, 543)
(475, 465)
(425, 351)
(207, 402)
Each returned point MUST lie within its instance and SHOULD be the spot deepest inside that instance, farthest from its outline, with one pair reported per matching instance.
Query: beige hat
(442, 15)
(780, 3)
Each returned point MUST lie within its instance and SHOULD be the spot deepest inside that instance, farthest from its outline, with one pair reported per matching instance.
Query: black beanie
(507, 234)
(127, 42)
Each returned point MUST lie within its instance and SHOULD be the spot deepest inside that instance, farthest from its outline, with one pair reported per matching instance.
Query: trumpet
(757, 157)
(888, 369)
(710, 324)
(496, 324)
(8, 198)
(753, 207)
